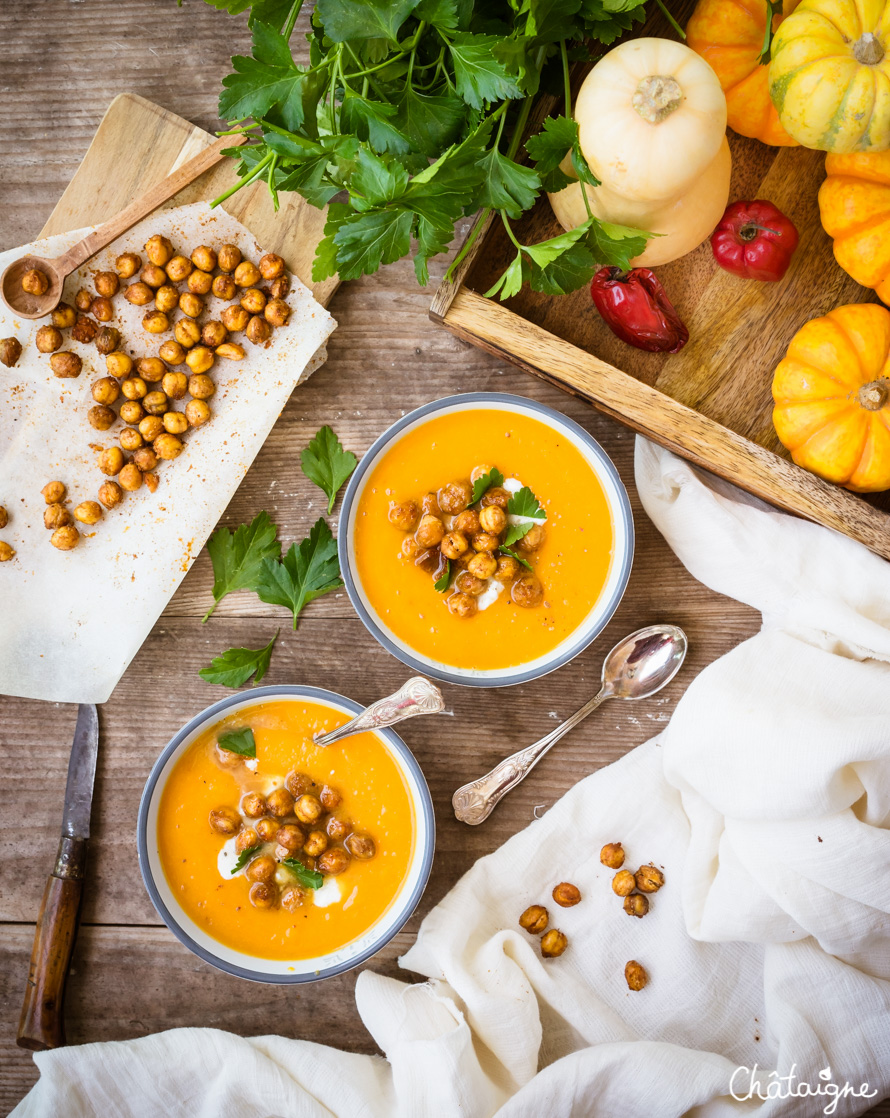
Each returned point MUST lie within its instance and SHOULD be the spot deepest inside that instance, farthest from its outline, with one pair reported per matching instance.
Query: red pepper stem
(749, 231)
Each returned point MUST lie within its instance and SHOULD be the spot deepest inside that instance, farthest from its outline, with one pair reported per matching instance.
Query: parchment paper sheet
(70, 622)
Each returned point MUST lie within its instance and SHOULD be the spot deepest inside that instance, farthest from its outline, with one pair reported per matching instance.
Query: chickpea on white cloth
(764, 801)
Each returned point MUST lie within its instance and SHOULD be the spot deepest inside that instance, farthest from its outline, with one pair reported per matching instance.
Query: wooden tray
(710, 403)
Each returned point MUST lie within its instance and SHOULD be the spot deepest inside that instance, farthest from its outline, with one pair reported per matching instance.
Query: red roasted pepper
(754, 240)
(635, 306)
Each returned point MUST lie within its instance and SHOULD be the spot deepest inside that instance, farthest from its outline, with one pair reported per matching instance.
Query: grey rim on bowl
(216, 711)
(442, 672)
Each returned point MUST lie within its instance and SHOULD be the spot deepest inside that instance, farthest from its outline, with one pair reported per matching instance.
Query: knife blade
(41, 1024)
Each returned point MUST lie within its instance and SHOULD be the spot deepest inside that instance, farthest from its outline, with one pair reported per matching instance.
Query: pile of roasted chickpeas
(635, 888)
(444, 527)
(146, 389)
(536, 918)
(294, 821)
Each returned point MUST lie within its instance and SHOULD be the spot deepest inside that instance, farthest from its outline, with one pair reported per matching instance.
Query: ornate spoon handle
(474, 802)
(417, 696)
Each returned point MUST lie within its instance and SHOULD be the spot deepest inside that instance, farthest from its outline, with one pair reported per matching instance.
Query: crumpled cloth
(766, 800)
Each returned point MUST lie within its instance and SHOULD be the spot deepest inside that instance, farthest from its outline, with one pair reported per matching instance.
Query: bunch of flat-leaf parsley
(413, 111)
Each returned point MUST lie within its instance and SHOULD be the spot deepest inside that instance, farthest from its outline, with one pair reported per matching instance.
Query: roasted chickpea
(263, 894)
(88, 512)
(134, 388)
(267, 829)
(201, 386)
(280, 286)
(466, 583)
(258, 331)
(290, 837)
(535, 919)
(155, 322)
(4, 517)
(84, 330)
(53, 492)
(175, 422)
(106, 283)
(199, 359)
(65, 538)
(197, 413)
(293, 898)
(179, 268)
(467, 522)
(485, 541)
(82, 299)
(253, 805)
(276, 312)
(453, 545)
(139, 294)
(166, 298)
(455, 496)
(187, 332)
(152, 275)
(150, 427)
(228, 258)
(493, 519)
(48, 339)
(10, 351)
(566, 895)
(155, 403)
(337, 829)
(271, 266)
(635, 975)
(462, 605)
(199, 283)
(553, 943)
(107, 339)
(110, 494)
(527, 591)
(172, 352)
(649, 879)
(298, 784)
(623, 883)
(191, 304)
(507, 569)
(361, 846)
(235, 319)
(332, 862)
(224, 287)
(281, 803)
(404, 515)
(35, 282)
(55, 516)
(496, 495)
(118, 364)
(132, 412)
(130, 439)
(636, 905)
(128, 264)
(151, 369)
(225, 821)
(130, 477)
(167, 446)
(330, 798)
(175, 385)
(101, 417)
(158, 249)
(253, 300)
(6, 551)
(204, 258)
(66, 365)
(247, 836)
(308, 808)
(430, 532)
(145, 459)
(316, 844)
(102, 309)
(247, 274)
(409, 548)
(230, 351)
(612, 855)
(64, 316)
(533, 539)
(482, 565)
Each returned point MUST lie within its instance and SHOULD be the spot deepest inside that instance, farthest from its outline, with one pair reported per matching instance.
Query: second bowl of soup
(486, 539)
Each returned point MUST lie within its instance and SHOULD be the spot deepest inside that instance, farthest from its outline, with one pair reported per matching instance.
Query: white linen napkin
(766, 800)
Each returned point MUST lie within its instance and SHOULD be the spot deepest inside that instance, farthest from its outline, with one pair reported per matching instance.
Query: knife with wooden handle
(41, 1025)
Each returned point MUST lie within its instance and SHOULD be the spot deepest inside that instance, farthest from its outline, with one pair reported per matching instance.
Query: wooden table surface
(62, 65)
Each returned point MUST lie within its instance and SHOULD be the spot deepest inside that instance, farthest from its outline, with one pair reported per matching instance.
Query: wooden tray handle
(41, 1024)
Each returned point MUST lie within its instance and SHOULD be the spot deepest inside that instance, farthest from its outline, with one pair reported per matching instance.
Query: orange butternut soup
(375, 800)
(573, 563)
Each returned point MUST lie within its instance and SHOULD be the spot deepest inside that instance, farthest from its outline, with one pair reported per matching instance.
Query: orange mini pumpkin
(832, 396)
(728, 34)
(854, 204)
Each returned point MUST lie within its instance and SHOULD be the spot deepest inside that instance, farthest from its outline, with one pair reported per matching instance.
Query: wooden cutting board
(138, 143)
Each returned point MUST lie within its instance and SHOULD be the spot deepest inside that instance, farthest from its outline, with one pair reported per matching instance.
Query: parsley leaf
(309, 879)
(615, 244)
(506, 185)
(244, 857)
(239, 741)
(548, 148)
(273, 12)
(478, 74)
(237, 665)
(304, 574)
(441, 583)
(504, 550)
(327, 464)
(269, 78)
(237, 559)
(510, 283)
(516, 532)
(363, 19)
(482, 484)
(429, 122)
(525, 503)
(367, 240)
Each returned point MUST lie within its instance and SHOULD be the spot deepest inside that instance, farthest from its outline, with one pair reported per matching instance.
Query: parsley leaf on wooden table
(304, 574)
(237, 665)
(237, 558)
(309, 879)
(240, 741)
(327, 464)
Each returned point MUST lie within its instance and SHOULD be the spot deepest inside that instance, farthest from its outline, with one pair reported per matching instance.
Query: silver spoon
(417, 696)
(636, 668)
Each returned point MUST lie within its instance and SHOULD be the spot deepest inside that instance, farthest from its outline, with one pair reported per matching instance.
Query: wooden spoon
(57, 271)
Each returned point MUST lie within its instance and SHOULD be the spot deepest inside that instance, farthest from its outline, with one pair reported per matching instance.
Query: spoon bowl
(22, 302)
(644, 662)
